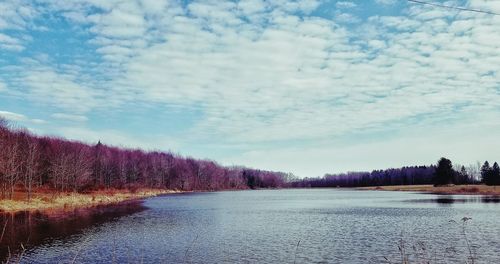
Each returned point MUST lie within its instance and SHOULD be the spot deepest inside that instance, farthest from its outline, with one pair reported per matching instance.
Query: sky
(305, 86)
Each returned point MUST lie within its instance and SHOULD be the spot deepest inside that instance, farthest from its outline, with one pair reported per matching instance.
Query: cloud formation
(265, 74)
(11, 116)
(69, 117)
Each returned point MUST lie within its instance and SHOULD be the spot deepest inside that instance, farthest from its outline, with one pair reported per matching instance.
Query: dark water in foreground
(277, 226)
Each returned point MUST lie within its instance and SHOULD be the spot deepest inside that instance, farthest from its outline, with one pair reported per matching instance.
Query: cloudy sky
(305, 86)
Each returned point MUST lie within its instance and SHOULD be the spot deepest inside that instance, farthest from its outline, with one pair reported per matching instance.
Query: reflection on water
(490, 199)
(452, 199)
(34, 228)
(265, 226)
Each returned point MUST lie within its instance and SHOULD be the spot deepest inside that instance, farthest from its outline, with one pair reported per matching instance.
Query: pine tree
(486, 173)
(444, 172)
(495, 174)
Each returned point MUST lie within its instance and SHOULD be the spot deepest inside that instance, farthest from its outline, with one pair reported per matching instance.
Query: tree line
(442, 173)
(30, 162)
(394, 176)
(446, 174)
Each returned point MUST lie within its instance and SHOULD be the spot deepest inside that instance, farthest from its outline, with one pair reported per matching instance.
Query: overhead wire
(453, 7)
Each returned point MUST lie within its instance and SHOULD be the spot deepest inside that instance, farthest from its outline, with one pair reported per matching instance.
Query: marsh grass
(186, 254)
(296, 250)
(420, 252)
(73, 200)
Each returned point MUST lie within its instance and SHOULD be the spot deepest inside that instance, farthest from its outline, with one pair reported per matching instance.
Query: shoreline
(52, 202)
(477, 189)
(49, 202)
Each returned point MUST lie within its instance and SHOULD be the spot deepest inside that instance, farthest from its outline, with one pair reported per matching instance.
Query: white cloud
(61, 90)
(15, 16)
(485, 5)
(12, 116)
(115, 138)
(16, 117)
(234, 98)
(386, 2)
(346, 18)
(117, 23)
(345, 4)
(38, 121)
(69, 117)
(10, 43)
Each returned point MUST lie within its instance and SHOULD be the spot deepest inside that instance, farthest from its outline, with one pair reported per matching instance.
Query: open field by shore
(453, 189)
(44, 201)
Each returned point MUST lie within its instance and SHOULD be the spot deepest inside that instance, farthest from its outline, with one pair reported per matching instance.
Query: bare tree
(65, 165)
(32, 160)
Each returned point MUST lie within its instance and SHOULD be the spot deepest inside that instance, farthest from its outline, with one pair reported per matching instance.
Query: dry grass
(68, 201)
(452, 189)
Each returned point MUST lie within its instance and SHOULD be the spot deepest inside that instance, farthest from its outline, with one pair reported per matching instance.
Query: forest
(442, 173)
(29, 162)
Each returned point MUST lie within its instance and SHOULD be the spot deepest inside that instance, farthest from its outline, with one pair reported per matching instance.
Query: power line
(454, 7)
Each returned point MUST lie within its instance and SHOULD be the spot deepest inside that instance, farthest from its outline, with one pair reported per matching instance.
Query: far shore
(48, 202)
(478, 189)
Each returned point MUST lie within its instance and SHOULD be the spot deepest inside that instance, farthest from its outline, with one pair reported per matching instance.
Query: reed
(72, 200)
(419, 253)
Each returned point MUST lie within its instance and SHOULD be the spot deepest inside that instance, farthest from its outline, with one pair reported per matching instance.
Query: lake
(275, 226)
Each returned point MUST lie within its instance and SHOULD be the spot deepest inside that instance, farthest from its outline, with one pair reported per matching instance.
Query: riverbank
(453, 189)
(47, 202)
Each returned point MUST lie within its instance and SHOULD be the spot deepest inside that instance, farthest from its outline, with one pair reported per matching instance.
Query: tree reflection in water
(29, 229)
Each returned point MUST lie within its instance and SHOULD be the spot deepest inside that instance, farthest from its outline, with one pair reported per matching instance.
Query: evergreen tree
(486, 173)
(495, 174)
(444, 172)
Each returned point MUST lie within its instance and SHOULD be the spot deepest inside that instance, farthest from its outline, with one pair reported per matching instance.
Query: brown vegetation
(51, 201)
(448, 189)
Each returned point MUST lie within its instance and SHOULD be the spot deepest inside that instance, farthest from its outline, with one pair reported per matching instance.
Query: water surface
(285, 226)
